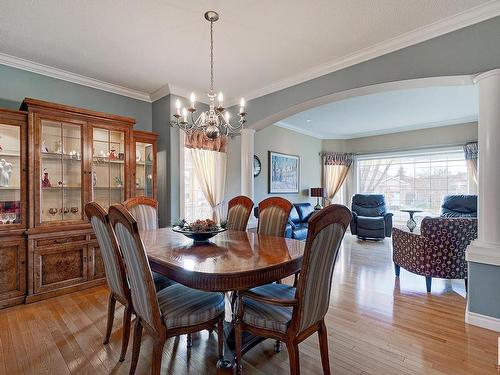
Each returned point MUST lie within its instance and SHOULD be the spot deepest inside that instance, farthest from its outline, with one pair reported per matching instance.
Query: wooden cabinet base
(61, 291)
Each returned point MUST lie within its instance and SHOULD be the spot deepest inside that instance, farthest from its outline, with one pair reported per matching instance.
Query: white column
(486, 248)
(247, 152)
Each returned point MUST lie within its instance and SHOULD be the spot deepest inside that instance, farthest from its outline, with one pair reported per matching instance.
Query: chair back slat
(239, 210)
(273, 216)
(145, 212)
(110, 251)
(139, 273)
(325, 234)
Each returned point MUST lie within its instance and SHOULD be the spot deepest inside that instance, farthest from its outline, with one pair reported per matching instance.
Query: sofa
(370, 218)
(297, 221)
(459, 206)
(439, 251)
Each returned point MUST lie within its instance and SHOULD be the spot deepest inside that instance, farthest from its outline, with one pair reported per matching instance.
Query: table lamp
(318, 193)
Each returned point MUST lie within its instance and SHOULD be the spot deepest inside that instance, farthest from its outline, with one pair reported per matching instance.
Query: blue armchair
(459, 206)
(369, 217)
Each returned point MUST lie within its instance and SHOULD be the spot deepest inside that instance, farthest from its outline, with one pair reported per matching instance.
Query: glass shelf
(10, 179)
(62, 169)
(108, 173)
(144, 169)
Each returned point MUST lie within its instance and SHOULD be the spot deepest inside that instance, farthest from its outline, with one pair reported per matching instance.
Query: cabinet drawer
(60, 240)
(59, 267)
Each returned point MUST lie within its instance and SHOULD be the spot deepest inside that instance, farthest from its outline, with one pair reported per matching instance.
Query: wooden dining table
(229, 262)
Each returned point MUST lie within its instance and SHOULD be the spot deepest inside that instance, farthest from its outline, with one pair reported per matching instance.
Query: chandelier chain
(211, 57)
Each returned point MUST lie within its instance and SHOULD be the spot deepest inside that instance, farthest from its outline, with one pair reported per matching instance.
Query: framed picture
(284, 173)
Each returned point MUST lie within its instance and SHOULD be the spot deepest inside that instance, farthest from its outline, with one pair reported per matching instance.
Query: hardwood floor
(376, 325)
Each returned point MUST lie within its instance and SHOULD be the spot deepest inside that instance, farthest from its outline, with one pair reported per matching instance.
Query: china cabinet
(13, 219)
(53, 160)
(144, 163)
(75, 156)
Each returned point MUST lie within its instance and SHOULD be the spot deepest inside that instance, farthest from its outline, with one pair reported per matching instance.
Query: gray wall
(425, 138)
(274, 138)
(484, 293)
(161, 118)
(16, 84)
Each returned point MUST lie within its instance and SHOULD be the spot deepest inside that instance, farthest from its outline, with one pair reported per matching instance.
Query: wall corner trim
(486, 253)
(482, 321)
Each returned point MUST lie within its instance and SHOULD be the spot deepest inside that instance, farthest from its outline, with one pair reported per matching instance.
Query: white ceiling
(260, 45)
(388, 112)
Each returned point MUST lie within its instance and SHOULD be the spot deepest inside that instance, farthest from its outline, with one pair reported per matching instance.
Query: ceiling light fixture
(214, 122)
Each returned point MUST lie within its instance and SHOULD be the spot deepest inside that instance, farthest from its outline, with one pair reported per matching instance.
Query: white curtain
(335, 170)
(471, 154)
(210, 170)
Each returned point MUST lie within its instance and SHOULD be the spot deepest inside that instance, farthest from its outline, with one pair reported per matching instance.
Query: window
(195, 204)
(418, 180)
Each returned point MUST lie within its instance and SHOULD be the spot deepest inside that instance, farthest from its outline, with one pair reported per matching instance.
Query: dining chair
(173, 311)
(145, 212)
(115, 272)
(238, 213)
(273, 216)
(290, 314)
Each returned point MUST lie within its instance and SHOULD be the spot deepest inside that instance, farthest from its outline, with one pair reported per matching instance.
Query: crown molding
(296, 129)
(64, 75)
(160, 93)
(458, 21)
(430, 125)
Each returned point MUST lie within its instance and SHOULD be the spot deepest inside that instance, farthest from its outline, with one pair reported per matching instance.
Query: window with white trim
(416, 180)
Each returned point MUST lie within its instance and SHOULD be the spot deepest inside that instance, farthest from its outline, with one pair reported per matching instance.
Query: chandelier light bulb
(221, 98)
(193, 98)
(227, 116)
(184, 114)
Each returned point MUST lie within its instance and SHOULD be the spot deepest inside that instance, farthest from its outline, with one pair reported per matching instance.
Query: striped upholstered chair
(273, 216)
(144, 211)
(290, 314)
(173, 311)
(238, 213)
(115, 272)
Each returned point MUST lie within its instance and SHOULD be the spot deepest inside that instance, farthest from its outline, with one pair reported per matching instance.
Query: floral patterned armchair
(439, 251)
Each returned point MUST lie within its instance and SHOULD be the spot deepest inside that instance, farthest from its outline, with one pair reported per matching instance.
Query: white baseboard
(482, 321)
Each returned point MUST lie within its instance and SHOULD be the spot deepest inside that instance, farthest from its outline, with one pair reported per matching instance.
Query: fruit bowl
(199, 230)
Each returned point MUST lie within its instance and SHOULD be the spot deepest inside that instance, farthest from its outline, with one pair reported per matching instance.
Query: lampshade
(317, 192)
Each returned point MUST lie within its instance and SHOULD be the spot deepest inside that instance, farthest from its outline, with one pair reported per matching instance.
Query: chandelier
(214, 122)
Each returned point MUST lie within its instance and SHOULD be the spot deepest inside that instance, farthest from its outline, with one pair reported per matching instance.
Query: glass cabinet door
(144, 164)
(10, 175)
(108, 167)
(61, 172)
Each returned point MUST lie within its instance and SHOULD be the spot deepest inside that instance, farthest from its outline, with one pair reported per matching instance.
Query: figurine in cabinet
(45, 180)
(45, 149)
(5, 172)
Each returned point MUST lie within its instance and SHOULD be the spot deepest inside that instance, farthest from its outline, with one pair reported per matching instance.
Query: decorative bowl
(198, 236)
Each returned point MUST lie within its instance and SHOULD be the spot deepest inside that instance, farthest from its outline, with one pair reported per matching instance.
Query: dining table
(229, 262)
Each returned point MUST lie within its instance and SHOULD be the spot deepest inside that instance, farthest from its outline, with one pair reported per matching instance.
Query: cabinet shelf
(10, 154)
(58, 157)
(10, 188)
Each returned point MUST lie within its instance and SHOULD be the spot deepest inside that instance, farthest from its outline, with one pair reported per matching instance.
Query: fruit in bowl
(199, 230)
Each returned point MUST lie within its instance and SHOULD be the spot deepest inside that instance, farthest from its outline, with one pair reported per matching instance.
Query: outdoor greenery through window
(414, 181)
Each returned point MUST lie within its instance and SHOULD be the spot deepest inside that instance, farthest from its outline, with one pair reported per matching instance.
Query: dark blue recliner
(459, 206)
(369, 217)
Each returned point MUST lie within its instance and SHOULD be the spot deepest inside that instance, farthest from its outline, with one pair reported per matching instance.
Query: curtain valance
(199, 140)
(336, 158)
